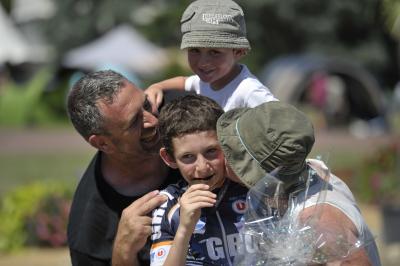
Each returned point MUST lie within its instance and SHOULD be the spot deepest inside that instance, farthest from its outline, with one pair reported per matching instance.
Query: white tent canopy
(121, 46)
(13, 46)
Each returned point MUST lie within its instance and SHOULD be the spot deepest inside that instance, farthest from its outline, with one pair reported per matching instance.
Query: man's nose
(149, 120)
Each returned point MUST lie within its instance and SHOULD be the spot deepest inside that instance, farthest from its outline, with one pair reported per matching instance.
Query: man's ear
(100, 142)
(168, 160)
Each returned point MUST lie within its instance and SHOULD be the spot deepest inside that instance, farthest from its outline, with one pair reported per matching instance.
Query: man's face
(199, 158)
(131, 126)
(214, 65)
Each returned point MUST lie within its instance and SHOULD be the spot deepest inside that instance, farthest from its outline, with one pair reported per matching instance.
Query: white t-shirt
(245, 90)
(338, 195)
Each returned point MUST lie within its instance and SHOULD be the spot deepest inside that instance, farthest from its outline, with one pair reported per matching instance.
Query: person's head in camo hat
(271, 136)
(214, 34)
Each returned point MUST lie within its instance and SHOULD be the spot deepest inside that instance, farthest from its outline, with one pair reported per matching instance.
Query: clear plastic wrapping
(278, 233)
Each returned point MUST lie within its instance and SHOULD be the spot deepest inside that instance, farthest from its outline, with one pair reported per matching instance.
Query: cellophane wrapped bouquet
(278, 236)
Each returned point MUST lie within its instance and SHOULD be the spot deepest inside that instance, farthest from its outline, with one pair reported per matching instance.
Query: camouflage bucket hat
(258, 140)
(213, 24)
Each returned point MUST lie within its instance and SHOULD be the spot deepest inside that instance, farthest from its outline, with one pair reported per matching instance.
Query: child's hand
(196, 197)
(154, 95)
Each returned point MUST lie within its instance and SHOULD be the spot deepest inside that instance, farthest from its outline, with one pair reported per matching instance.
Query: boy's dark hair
(186, 115)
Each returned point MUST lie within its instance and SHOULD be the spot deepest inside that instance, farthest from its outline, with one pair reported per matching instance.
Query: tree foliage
(353, 29)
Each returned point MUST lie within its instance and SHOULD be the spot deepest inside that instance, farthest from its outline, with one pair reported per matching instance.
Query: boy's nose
(202, 168)
(203, 60)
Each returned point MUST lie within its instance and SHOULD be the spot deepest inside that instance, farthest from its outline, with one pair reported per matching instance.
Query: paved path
(66, 139)
(41, 141)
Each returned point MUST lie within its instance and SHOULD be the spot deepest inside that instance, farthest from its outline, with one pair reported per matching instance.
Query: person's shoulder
(87, 189)
(247, 79)
(174, 191)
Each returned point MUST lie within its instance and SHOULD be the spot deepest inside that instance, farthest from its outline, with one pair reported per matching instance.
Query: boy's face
(199, 158)
(217, 66)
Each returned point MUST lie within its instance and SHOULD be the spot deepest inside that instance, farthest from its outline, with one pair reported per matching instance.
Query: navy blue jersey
(215, 240)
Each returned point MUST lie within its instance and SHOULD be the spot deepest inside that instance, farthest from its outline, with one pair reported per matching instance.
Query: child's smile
(200, 158)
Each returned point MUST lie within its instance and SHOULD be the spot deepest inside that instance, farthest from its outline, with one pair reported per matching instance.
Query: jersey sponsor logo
(159, 252)
(236, 244)
(239, 206)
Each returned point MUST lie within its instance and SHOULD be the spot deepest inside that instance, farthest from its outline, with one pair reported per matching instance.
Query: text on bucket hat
(213, 24)
(258, 140)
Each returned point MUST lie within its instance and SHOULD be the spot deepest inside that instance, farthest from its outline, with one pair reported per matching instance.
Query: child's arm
(155, 91)
(191, 202)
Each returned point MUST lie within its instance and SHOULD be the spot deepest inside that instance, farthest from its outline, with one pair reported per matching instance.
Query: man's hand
(134, 228)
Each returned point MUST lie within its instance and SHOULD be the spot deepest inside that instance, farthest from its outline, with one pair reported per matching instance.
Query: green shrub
(34, 214)
(378, 177)
(28, 104)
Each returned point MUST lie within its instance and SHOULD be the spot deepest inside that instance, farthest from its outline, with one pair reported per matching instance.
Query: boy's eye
(214, 52)
(193, 50)
(212, 153)
(187, 158)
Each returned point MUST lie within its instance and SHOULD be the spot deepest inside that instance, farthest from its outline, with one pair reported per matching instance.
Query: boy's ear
(168, 160)
(239, 52)
(100, 142)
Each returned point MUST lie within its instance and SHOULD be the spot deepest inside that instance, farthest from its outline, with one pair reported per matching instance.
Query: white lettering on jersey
(157, 218)
(250, 244)
(214, 248)
(234, 242)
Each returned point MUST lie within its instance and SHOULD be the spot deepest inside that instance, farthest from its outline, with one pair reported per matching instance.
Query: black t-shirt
(94, 217)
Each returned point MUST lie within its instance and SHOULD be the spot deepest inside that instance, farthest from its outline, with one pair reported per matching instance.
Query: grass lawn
(21, 169)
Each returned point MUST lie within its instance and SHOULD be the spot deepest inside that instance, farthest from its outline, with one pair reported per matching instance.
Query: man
(114, 116)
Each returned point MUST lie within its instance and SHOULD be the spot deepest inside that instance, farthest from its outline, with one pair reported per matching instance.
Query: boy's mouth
(202, 180)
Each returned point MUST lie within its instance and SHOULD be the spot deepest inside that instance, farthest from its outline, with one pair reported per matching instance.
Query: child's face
(216, 66)
(199, 158)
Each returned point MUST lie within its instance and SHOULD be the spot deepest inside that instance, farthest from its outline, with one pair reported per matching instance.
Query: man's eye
(147, 105)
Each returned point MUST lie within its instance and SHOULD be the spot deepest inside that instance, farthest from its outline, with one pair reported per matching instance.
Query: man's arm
(336, 223)
(134, 228)
(155, 91)
(80, 259)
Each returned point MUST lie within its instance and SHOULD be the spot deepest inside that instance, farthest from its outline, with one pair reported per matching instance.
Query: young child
(214, 34)
(198, 224)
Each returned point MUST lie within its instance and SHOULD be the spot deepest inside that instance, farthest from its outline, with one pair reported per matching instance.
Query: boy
(275, 135)
(198, 225)
(214, 34)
